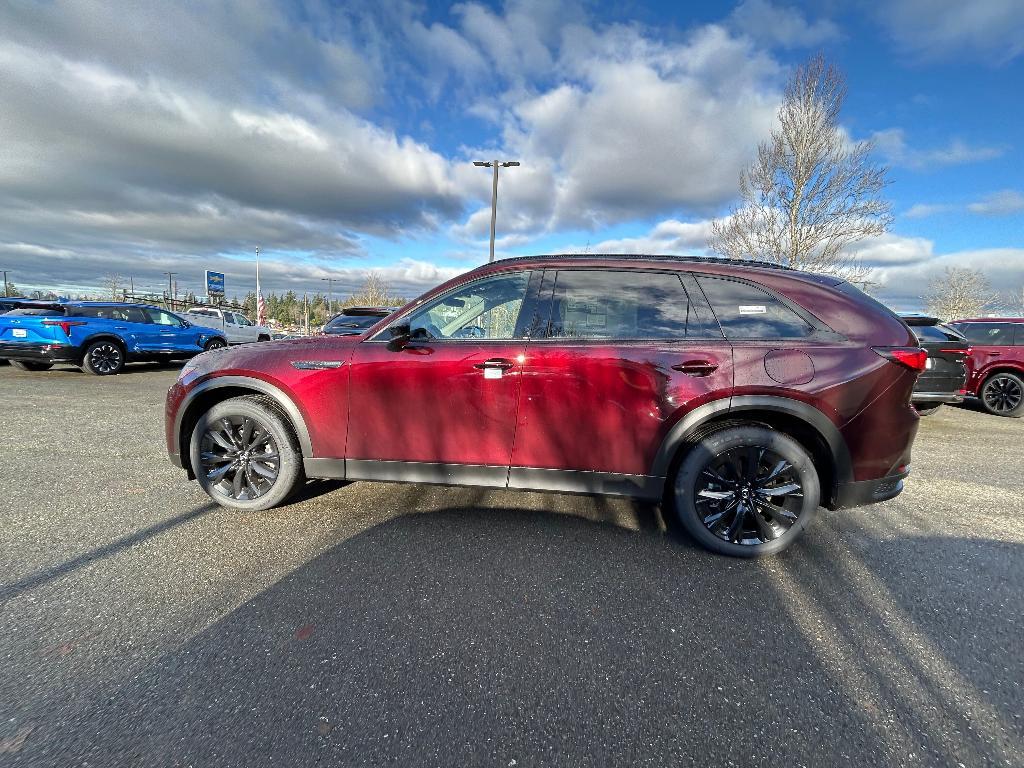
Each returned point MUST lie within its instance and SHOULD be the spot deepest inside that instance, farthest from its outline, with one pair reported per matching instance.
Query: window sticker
(752, 309)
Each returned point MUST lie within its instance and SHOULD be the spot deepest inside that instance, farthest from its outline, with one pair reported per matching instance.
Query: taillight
(913, 358)
(64, 324)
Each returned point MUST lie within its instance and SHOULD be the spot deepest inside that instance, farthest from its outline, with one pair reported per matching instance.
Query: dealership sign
(214, 283)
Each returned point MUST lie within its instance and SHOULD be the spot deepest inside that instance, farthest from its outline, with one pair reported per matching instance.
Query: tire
(927, 409)
(723, 491)
(1002, 394)
(31, 365)
(103, 358)
(215, 343)
(248, 428)
(263, 337)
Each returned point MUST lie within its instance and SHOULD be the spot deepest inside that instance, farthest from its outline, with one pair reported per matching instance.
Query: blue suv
(100, 337)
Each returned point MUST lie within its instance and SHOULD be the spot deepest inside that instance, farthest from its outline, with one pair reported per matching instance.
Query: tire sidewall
(290, 470)
(213, 344)
(1017, 412)
(714, 445)
(87, 363)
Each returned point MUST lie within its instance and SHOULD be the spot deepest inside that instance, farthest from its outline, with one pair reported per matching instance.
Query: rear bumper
(938, 397)
(40, 353)
(863, 492)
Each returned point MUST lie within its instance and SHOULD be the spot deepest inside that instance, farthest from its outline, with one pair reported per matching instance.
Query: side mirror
(400, 334)
(186, 324)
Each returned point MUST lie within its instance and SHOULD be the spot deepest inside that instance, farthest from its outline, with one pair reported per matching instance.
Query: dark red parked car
(743, 395)
(995, 367)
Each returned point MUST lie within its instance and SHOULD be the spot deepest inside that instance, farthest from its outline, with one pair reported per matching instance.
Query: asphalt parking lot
(372, 624)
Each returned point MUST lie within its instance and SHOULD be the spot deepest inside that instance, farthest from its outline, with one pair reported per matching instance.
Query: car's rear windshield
(38, 311)
(354, 322)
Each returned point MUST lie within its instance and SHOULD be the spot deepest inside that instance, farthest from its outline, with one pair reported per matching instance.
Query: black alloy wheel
(103, 358)
(239, 458)
(244, 454)
(1003, 395)
(747, 491)
(214, 344)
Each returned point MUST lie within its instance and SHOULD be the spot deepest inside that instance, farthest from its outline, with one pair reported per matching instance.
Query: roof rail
(649, 257)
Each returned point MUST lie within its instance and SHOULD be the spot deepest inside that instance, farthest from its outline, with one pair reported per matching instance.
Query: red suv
(743, 395)
(995, 366)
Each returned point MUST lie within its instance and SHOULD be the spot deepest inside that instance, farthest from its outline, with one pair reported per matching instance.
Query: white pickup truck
(236, 326)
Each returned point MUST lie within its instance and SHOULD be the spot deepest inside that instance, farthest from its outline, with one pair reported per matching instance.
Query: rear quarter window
(746, 311)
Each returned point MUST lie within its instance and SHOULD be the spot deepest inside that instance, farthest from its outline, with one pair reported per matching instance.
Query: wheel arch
(103, 336)
(212, 391)
(1001, 367)
(800, 421)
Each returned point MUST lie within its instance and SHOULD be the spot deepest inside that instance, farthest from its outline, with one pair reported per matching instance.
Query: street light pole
(6, 289)
(170, 289)
(493, 164)
(330, 294)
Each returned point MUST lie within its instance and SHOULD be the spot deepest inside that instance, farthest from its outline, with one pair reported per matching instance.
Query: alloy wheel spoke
(736, 526)
(766, 529)
(267, 472)
(216, 458)
(781, 490)
(718, 495)
(236, 484)
(220, 440)
(219, 472)
(246, 436)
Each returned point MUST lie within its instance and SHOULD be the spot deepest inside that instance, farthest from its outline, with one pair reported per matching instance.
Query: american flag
(261, 308)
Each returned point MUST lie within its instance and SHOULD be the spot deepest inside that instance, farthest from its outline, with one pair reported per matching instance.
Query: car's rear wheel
(244, 454)
(927, 409)
(214, 344)
(31, 365)
(1003, 395)
(746, 491)
(103, 358)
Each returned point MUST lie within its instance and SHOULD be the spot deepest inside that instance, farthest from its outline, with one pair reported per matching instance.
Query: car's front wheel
(213, 344)
(1003, 395)
(746, 491)
(244, 454)
(31, 365)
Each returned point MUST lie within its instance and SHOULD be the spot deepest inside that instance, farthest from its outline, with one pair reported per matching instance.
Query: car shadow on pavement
(496, 636)
(60, 570)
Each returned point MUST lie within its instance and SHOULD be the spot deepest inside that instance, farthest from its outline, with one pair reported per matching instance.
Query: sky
(144, 137)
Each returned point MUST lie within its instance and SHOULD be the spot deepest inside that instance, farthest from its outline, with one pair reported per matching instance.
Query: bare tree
(112, 284)
(811, 192)
(959, 292)
(374, 292)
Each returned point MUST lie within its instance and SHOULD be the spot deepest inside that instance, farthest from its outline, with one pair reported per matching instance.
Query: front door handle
(696, 367)
(495, 364)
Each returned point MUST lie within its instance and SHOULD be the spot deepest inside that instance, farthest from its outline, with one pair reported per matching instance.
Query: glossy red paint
(430, 402)
(606, 408)
(983, 360)
(581, 405)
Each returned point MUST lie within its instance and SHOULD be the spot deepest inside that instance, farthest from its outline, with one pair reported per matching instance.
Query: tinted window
(936, 333)
(353, 323)
(160, 317)
(605, 304)
(987, 334)
(485, 309)
(241, 320)
(102, 313)
(748, 312)
(36, 311)
(203, 312)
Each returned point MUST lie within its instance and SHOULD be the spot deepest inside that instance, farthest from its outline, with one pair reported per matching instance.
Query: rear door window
(987, 334)
(607, 304)
(746, 311)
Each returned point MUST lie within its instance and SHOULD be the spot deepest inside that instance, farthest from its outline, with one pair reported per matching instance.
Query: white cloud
(924, 210)
(893, 146)
(903, 286)
(1003, 203)
(781, 25)
(990, 30)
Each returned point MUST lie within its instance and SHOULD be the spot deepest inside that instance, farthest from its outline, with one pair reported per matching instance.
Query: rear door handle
(696, 367)
(495, 364)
